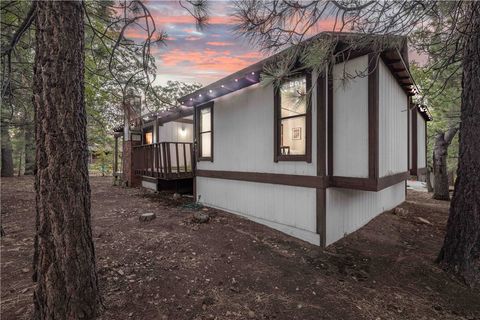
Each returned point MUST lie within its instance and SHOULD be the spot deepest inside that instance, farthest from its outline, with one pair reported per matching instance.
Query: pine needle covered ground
(231, 268)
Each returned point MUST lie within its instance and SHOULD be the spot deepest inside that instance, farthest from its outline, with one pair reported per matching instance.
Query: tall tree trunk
(64, 258)
(29, 150)
(429, 179)
(7, 153)
(461, 248)
(440, 155)
(20, 154)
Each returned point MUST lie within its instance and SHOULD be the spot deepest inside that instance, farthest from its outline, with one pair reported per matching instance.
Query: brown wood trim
(277, 156)
(385, 182)
(330, 124)
(321, 196)
(187, 121)
(272, 178)
(317, 182)
(367, 184)
(276, 134)
(409, 103)
(197, 131)
(373, 115)
(414, 141)
(308, 124)
(321, 203)
(355, 183)
(321, 125)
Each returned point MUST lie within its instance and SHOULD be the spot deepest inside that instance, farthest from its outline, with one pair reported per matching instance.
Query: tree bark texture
(461, 248)
(440, 155)
(429, 179)
(29, 150)
(64, 257)
(7, 153)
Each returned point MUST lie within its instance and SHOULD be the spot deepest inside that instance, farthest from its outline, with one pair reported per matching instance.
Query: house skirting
(314, 211)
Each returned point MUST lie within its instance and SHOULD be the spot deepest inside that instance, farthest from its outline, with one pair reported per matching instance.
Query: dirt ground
(231, 268)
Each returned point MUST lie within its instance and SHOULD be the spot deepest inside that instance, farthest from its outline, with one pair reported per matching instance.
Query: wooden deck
(164, 160)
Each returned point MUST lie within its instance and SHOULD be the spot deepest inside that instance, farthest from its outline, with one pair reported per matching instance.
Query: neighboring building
(418, 118)
(316, 159)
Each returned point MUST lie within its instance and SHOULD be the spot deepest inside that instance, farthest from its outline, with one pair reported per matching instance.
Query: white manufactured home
(316, 157)
(316, 167)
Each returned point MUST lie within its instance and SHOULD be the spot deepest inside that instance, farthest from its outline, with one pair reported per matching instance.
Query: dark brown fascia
(251, 74)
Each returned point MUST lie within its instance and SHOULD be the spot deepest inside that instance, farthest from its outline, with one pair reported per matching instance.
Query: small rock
(130, 314)
(200, 217)
(400, 211)
(425, 221)
(208, 301)
(25, 270)
(147, 216)
(251, 314)
(120, 272)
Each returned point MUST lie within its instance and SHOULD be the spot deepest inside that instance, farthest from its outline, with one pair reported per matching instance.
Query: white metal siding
(291, 210)
(243, 134)
(350, 119)
(393, 105)
(172, 132)
(243, 141)
(349, 210)
(421, 147)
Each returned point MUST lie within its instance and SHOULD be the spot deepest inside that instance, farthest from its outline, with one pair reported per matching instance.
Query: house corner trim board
(321, 201)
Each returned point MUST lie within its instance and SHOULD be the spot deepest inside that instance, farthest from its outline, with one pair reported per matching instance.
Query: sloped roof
(395, 60)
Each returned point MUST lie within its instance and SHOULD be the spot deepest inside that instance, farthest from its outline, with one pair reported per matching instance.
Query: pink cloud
(192, 38)
(209, 60)
(161, 18)
(220, 44)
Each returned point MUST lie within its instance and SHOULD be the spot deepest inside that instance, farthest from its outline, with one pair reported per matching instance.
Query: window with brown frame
(293, 124)
(204, 124)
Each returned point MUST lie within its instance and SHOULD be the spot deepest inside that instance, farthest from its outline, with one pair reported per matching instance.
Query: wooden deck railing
(165, 160)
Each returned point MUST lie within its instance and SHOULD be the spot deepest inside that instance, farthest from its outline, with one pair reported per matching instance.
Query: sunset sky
(197, 56)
